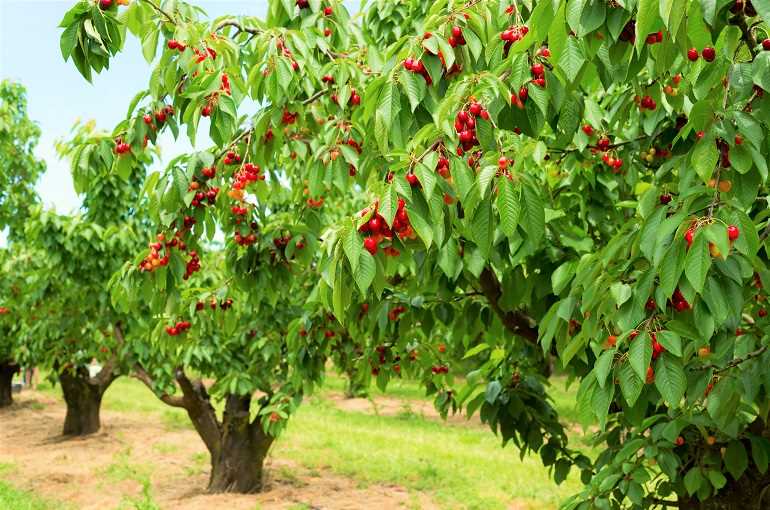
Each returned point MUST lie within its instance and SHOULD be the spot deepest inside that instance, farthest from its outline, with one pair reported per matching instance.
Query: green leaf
(646, 17)
(704, 158)
(621, 292)
(630, 384)
(640, 354)
(670, 379)
(364, 274)
(671, 341)
(483, 227)
(353, 246)
(603, 366)
(693, 480)
(534, 214)
(717, 479)
(562, 276)
(759, 450)
(150, 44)
(697, 263)
(389, 205)
(508, 206)
(572, 60)
(736, 459)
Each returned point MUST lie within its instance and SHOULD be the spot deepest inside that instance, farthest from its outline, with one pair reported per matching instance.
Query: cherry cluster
(678, 301)
(179, 328)
(121, 147)
(439, 369)
(173, 44)
(628, 34)
(202, 197)
(708, 53)
(315, 203)
(153, 261)
(288, 54)
(456, 38)
(378, 229)
(395, 312)
(648, 103)
(654, 38)
(442, 166)
(193, 265)
(512, 34)
(538, 74)
(203, 55)
(416, 66)
(465, 125)
(288, 117)
(159, 116)
(246, 175)
(224, 305)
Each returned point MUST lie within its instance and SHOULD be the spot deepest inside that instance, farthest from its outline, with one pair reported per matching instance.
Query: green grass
(12, 498)
(462, 467)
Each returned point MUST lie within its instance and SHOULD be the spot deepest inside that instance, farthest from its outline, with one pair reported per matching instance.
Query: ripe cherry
(738, 140)
(206, 111)
(502, 162)
(650, 376)
(762, 313)
(692, 54)
(370, 244)
(665, 199)
(766, 44)
(603, 144)
(328, 11)
(523, 93)
(537, 70)
(709, 54)
(412, 179)
(733, 232)
(688, 236)
(475, 109)
(457, 32)
(105, 4)
(612, 340)
(147, 119)
(679, 441)
(588, 129)
(327, 32)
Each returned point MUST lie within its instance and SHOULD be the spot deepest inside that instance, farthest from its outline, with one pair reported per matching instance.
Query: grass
(457, 465)
(15, 499)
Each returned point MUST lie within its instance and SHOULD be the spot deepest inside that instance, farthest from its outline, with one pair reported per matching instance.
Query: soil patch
(106, 470)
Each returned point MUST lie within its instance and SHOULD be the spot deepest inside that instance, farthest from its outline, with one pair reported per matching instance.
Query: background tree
(19, 171)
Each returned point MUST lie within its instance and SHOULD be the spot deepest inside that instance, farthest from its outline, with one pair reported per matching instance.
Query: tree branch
(172, 400)
(516, 322)
(734, 363)
(665, 502)
(241, 28)
(107, 375)
(161, 11)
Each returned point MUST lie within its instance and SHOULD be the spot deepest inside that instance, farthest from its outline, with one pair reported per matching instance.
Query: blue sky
(58, 95)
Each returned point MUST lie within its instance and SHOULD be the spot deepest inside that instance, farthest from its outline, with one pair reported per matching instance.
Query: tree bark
(84, 400)
(7, 369)
(239, 463)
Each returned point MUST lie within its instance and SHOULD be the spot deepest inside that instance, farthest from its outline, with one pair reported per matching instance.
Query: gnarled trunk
(84, 401)
(7, 369)
(238, 464)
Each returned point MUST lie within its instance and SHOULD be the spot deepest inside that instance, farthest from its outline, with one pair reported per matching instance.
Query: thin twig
(161, 11)
(241, 28)
(734, 363)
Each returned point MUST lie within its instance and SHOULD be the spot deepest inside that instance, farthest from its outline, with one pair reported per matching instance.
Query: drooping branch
(173, 400)
(160, 11)
(516, 322)
(238, 26)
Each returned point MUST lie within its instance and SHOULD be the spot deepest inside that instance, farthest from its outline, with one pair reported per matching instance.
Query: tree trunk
(238, 464)
(84, 401)
(7, 369)
(354, 389)
(750, 492)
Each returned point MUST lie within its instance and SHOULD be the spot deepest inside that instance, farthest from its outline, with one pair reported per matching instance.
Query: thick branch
(516, 322)
(748, 37)
(200, 411)
(172, 400)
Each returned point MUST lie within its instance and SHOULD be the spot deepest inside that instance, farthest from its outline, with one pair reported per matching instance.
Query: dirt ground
(389, 406)
(103, 471)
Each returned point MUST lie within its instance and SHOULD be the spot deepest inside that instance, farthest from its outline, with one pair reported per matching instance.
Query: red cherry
(370, 244)
(692, 54)
(679, 441)
(650, 376)
(688, 236)
(766, 44)
(327, 32)
(328, 11)
(147, 119)
(412, 179)
(738, 140)
(700, 134)
(537, 70)
(457, 32)
(105, 4)
(709, 54)
(523, 93)
(172, 44)
(733, 232)
(206, 111)
(762, 313)
(588, 129)
(502, 162)
(475, 109)
(462, 117)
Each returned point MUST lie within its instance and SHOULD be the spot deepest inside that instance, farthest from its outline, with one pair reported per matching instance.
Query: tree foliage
(581, 181)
